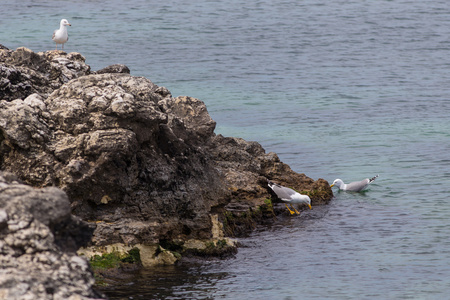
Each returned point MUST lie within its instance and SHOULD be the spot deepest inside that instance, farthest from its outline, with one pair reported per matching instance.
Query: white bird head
(301, 199)
(64, 22)
(338, 183)
(308, 202)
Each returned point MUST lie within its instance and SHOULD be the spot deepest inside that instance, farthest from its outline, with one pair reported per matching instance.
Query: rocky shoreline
(133, 165)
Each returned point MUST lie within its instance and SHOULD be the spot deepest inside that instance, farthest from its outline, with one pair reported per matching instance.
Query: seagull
(290, 196)
(356, 186)
(60, 35)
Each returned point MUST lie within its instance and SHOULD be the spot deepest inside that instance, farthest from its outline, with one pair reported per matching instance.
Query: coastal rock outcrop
(24, 72)
(39, 238)
(144, 166)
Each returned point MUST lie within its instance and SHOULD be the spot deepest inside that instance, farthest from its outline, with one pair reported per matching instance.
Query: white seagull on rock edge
(290, 196)
(60, 36)
(356, 186)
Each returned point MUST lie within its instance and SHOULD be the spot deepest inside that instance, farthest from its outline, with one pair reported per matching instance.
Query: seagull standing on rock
(356, 186)
(290, 196)
(60, 36)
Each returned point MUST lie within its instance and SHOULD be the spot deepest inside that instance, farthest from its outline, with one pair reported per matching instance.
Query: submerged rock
(145, 166)
(38, 240)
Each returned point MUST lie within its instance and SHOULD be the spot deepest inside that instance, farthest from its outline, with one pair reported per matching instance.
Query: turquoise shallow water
(346, 89)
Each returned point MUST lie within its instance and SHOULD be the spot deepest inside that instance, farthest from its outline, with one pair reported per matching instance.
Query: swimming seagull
(60, 35)
(356, 186)
(290, 196)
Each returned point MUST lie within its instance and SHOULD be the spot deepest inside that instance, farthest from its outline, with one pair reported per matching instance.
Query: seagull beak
(331, 185)
(309, 205)
(69, 24)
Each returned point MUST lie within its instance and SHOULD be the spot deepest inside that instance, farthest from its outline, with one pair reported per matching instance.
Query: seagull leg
(295, 209)
(289, 209)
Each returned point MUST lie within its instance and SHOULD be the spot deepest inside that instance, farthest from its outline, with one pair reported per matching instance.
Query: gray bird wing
(282, 192)
(358, 185)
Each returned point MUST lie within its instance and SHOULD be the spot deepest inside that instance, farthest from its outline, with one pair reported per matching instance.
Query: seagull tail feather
(373, 178)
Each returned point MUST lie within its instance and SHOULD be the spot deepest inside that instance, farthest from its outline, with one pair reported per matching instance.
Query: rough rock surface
(147, 167)
(23, 72)
(117, 68)
(38, 240)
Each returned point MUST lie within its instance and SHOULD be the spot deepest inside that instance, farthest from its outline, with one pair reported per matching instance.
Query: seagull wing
(283, 193)
(358, 185)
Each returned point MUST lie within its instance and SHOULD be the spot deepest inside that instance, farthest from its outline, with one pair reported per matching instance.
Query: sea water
(338, 89)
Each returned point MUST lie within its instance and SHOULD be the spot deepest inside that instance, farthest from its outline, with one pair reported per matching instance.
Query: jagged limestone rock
(38, 240)
(24, 72)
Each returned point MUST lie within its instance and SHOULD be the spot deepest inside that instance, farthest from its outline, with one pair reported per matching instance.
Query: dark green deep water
(346, 89)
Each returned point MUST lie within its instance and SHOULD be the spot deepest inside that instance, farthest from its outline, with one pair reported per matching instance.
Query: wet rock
(38, 240)
(247, 166)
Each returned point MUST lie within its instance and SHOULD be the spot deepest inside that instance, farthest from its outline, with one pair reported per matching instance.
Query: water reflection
(183, 281)
(355, 247)
(216, 278)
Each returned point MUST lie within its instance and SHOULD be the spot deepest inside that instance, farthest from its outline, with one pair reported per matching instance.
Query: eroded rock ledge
(39, 238)
(144, 167)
